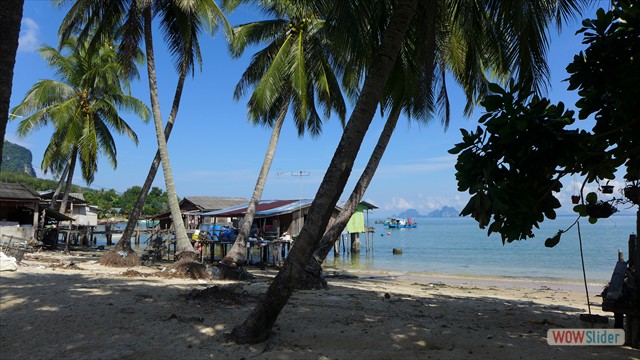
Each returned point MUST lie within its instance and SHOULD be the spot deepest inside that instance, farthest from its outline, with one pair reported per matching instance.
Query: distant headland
(444, 212)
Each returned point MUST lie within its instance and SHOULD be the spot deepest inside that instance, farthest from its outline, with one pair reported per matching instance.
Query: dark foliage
(513, 163)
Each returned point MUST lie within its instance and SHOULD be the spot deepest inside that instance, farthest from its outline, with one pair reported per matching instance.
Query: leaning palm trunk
(124, 244)
(11, 16)
(311, 278)
(67, 188)
(257, 326)
(184, 249)
(236, 255)
(56, 193)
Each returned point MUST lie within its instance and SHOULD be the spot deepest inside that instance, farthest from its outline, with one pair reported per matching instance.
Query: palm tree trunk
(56, 193)
(67, 188)
(124, 244)
(184, 249)
(10, 19)
(236, 255)
(311, 277)
(257, 326)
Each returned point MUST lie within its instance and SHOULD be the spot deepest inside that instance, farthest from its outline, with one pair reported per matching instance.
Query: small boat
(400, 223)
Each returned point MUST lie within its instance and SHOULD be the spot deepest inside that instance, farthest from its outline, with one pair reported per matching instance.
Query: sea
(457, 246)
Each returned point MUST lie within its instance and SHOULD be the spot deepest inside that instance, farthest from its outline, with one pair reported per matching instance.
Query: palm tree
(181, 23)
(258, 324)
(10, 18)
(311, 277)
(292, 70)
(420, 91)
(56, 192)
(522, 49)
(82, 107)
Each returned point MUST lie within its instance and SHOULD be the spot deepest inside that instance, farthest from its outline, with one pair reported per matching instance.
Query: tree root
(311, 281)
(186, 269)
(226, 272)
(120, 259)
(241, 335)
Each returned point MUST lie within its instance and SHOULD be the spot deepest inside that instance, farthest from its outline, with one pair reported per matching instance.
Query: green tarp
(356, 223)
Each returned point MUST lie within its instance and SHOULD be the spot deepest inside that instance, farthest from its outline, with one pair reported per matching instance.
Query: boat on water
(400, 223)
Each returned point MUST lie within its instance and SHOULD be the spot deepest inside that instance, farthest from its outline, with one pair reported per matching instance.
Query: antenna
(299, 174)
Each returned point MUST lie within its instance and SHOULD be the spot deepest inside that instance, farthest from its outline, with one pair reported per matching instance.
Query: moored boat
(400, 223)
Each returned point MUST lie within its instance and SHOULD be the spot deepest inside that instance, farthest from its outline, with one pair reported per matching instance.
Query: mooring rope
(584, 273)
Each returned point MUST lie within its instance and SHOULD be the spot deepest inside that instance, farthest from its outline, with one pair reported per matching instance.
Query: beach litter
(7, 263)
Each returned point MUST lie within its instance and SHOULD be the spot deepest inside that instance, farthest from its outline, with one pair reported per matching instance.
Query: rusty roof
(209, 203)
(17, 191)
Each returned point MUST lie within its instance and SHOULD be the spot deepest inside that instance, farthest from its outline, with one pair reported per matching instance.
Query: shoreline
(479, 279)
(68, 306)
(595, 286)
(486, 278)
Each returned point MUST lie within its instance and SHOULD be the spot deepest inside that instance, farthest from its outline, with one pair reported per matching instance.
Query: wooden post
(355, 243)
(67, 239)
(107, 233)
(632, 328)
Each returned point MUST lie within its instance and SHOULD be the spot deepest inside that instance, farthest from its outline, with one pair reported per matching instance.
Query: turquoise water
(120, 226)
(458, 246)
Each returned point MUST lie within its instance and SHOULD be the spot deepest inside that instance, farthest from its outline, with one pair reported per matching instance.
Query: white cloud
(29, 32)
(424, 205)
(399, 203)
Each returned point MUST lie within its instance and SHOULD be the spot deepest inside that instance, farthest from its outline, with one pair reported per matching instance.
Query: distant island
(444, 212)
(16, 158)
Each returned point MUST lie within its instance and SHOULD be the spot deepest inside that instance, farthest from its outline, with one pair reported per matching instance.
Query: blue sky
(215, 151)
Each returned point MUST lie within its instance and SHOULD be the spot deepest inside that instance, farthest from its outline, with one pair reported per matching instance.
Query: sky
(215, 151)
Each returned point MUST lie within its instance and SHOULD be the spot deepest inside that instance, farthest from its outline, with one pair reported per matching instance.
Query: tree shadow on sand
(78, 314)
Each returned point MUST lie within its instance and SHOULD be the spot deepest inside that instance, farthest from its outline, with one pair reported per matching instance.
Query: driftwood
(15, 247)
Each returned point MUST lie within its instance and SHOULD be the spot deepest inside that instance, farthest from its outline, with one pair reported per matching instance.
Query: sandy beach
(58, 306)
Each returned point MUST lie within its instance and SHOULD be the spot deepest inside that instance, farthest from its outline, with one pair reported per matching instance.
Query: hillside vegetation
(109, 201)
(16, 158)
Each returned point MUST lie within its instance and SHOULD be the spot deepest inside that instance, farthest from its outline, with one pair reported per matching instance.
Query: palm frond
(107, 143)
(270, 86)
(43, 94)
(257, 67)
(130, 34)
(299, 78)
(255, 33)
(82, 107)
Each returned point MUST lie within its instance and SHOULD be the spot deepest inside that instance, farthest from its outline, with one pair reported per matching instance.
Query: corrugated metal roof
(208, 203)
(79, 196)
(17, 191)
(286, 208)
(367, 205)
(265, 208)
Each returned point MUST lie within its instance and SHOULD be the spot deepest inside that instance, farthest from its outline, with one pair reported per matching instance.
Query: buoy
(389, 234)
(397, 251)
